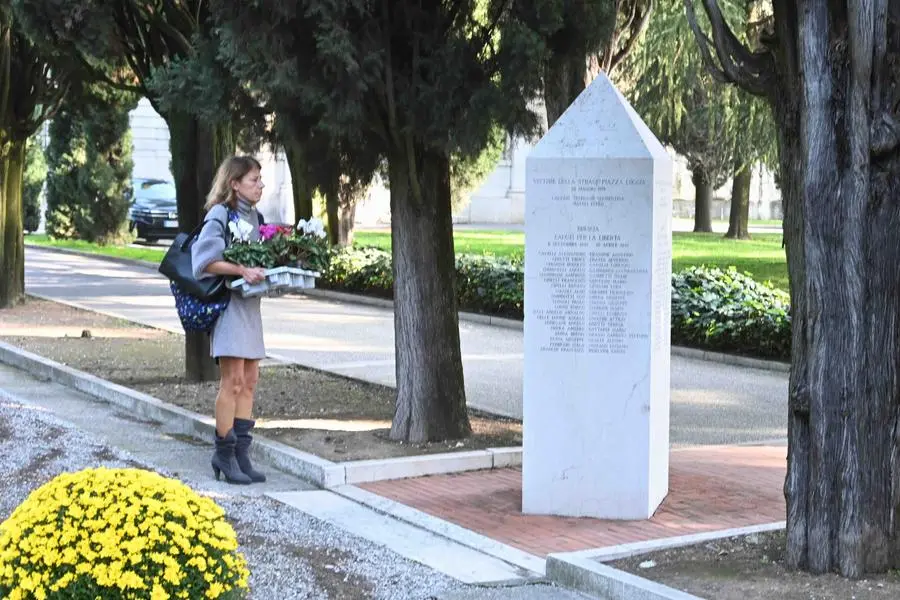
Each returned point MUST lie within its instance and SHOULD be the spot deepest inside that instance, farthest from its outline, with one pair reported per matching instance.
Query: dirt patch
(750, 568)
(327, 415)
(106, 455)
(361, 445)
(5, 430)
(328, 568)
(36, 318)
(39, 463)
(327, 565)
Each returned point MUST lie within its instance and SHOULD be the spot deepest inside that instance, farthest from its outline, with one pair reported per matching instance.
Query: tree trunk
(340, 204)
(828, 70)
(12, 242)
(702, 201)
(431, 396)
(739, 219)
(331, 190)
(565, 79)
(300, 180)
(346, 221)
(197, 150)
(843, 482)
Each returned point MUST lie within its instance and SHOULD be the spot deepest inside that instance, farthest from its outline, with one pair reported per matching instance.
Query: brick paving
(710, 488)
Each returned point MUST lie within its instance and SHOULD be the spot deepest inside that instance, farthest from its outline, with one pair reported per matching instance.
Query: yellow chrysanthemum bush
(103, 534)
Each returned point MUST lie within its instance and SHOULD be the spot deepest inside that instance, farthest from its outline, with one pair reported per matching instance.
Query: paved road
(711, 403)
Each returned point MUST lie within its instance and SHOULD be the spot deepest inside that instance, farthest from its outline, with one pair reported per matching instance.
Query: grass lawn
(762, 256)
(136, 253)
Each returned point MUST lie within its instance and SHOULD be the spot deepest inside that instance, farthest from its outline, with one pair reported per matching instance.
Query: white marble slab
(597, 322)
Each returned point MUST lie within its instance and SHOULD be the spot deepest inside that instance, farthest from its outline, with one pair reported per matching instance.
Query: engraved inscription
(590, 271)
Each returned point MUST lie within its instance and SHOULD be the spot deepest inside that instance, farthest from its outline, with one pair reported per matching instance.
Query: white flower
(240, 231)
(312, 227)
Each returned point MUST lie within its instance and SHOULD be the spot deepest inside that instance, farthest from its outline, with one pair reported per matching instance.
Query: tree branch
(637, 30)
(101, 77)
(736, 64)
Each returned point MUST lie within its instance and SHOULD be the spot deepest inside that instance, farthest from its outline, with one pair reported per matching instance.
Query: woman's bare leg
(231, 388)
(244, 423)
(244, 408)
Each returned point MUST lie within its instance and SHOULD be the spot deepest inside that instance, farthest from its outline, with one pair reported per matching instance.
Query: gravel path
(291, 555)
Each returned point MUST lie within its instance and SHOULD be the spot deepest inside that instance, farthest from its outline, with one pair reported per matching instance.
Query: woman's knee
(233, 382)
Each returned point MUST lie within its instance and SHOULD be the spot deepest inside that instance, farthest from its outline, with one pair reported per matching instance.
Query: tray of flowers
(293, 257)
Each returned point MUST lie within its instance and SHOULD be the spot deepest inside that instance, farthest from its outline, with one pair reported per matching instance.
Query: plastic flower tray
(278, 281)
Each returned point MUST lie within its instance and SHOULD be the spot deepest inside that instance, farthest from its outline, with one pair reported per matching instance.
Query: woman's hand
(253, 275)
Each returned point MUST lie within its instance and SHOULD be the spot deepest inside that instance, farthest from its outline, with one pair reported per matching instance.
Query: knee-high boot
(242, 428)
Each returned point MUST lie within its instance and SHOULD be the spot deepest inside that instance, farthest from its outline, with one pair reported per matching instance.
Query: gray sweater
(238, 333)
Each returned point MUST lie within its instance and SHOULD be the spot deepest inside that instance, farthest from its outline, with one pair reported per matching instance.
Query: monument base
(560, 501)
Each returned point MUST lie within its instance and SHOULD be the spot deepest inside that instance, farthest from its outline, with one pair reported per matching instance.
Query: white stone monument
(598, 264)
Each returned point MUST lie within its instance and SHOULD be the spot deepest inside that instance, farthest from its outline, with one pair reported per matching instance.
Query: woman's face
(249, 187)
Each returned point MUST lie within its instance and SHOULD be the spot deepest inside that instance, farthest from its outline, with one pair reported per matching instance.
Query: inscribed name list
(590, 264)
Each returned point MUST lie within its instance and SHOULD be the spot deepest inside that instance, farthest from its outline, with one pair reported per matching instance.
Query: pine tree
(828, 71)
(30, 91)
(150, 48)
(424, 82)
(720, 130)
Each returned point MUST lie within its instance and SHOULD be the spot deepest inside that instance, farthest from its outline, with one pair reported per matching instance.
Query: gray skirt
(238, 333)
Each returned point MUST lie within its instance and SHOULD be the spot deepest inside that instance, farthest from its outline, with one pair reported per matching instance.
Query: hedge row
(484, 284)
(714, 309)
(730, 312)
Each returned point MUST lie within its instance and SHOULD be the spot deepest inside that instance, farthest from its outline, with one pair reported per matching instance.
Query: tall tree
(343, 174)
(715, 127)
(755, 144)
(755, 135)
(68, 212)
(33, 184)
(583, 37)
(151, 44)
(90, 164)
(425, 81)
(828, 69)
(30, 91)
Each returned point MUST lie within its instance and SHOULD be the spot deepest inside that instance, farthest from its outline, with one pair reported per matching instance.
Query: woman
(237, 337)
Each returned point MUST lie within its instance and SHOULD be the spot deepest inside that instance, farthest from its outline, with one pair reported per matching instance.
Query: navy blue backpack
(199, 302)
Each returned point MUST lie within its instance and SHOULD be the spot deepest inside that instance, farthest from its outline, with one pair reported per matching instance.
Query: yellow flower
(123, 528)
(159, 593)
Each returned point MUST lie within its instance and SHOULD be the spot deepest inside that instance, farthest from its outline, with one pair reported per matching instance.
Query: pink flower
(267, 232)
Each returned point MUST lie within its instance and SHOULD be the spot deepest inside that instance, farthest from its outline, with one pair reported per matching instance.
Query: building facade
(500, 200)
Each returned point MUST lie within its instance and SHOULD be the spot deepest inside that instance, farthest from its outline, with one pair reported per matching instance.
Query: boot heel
(224, 462)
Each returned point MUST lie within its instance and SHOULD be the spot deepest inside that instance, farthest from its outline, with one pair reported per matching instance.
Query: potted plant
(293, 257)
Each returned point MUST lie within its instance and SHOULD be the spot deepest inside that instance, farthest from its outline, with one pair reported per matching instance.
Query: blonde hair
(232, 169)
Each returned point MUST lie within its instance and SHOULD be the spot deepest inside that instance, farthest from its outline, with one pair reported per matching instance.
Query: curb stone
(620, 551)
(316, 470)
(504, 323)
(585, 570)
(585, 575)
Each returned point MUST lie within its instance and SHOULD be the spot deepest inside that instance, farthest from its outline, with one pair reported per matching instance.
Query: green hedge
(730, 312)
(713, 309)
(483, 284)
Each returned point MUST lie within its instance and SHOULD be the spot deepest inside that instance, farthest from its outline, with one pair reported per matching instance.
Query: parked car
(154, 210)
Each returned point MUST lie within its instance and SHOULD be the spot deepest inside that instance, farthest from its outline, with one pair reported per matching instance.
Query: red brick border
(709, 488)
